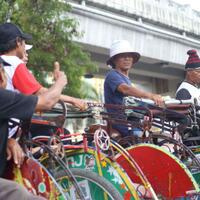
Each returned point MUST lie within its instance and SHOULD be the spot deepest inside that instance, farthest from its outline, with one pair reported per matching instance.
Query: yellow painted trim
(122, 174)
(99, 170)
(147, 184)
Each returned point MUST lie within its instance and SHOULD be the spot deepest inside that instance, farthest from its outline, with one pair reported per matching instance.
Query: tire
(101, 184)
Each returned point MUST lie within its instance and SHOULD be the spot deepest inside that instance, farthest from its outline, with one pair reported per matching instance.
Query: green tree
(52, 29)
(89, 92)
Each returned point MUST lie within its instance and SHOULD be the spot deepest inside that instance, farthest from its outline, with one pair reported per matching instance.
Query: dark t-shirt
(112, 81)
(187, 90)
(113, 96)
(12, 105)
(183, 94)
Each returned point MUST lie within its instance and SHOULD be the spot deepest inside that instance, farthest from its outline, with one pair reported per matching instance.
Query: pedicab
(95, 182)
(133, 182)
(96, 160)
(39, 178)
(99, 176)
(35, 178)
(172, 168)
(151, 168)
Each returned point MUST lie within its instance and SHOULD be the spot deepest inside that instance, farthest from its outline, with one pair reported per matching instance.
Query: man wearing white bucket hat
(117, 84)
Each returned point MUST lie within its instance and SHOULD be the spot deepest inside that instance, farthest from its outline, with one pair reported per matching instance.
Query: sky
(195, 4)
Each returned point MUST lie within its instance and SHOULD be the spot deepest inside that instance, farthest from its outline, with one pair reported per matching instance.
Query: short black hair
(12, 44)
(112, 64)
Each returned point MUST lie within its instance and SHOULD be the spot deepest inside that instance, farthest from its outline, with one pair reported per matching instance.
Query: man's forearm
(64, 98)
(41, 91)
(67, 99)
(141, 94)
(49, 98)
(133, 91)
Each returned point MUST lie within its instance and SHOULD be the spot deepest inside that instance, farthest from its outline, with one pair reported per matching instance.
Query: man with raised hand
(15, 105)
(12, 48)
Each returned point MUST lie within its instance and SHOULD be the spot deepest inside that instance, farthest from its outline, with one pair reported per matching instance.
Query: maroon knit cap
(193, 61)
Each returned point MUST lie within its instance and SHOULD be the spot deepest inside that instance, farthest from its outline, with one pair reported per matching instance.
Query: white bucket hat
(121, 46)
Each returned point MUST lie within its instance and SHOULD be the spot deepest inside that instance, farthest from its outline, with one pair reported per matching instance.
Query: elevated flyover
(160, 30)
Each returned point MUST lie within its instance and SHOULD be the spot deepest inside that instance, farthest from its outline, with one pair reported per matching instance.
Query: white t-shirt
(188, 91)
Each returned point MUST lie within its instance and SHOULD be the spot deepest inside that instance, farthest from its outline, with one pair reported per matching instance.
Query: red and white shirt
(19, 77)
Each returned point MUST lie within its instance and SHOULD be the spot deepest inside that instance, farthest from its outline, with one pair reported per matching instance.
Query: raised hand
(56, 70)
(61, 78)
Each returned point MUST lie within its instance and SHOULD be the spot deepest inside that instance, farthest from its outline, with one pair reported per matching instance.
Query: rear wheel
(93, 186)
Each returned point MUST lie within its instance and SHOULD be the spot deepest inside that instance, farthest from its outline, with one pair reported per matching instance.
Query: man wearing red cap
(189, 88)
(117, 84)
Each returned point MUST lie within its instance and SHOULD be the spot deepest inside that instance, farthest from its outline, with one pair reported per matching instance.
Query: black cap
(4, 62)
(9, 31)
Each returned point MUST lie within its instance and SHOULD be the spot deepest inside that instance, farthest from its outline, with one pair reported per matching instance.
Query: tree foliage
(49, 22)
(88, 91)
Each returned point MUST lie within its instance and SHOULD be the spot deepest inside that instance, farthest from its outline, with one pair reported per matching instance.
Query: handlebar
(131, 99)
